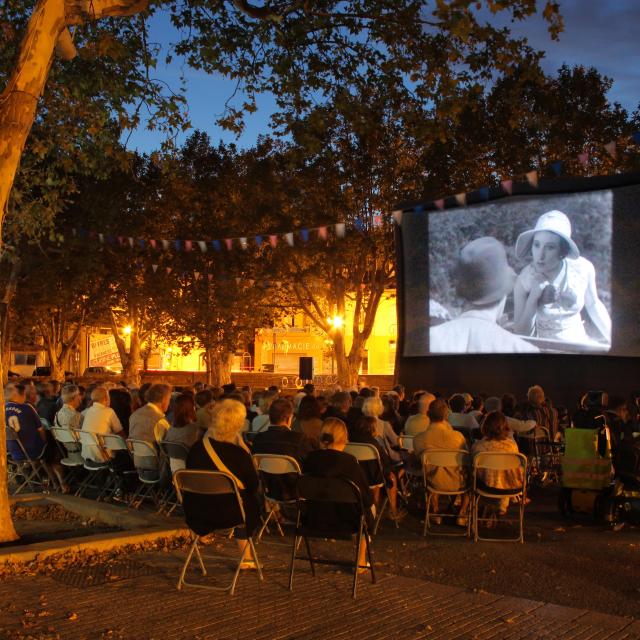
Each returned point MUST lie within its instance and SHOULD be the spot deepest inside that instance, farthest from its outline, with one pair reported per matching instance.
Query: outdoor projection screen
(547, 272)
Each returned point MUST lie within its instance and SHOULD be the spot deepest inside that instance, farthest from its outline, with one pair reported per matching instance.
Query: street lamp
(336, 322)
(127, 330)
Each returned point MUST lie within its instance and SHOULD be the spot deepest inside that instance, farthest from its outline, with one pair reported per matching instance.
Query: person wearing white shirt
(516, 426)
(99, 418)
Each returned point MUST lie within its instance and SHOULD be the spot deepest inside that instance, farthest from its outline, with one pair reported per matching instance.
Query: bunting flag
(259, 241)
(532, 178)
(583, 158)
(210, 277)
(154, 267)
(397, 216)
(152, 243)
(439, 204)
(216, 245)
(289, 238)
(304, 234)
(556, 167)
(141, 243)
(203, 246)
(273, 240)
(165, 244)
(177, 244)
(612, 149)
(636, 137)
(322, 233)
(196, 275)
(484, 193)
(188, 244)
(507, 186)
(461, 199)
(101, 238)
(243, 243)
(120, 238)
(340, 229)
(130, 241)
(169, 270)
(229, 243)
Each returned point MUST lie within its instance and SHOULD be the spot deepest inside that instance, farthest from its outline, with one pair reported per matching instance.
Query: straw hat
(554, 221)
(483, 275)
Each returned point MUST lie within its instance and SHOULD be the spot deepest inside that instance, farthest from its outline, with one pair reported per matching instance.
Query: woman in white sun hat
(556, 285)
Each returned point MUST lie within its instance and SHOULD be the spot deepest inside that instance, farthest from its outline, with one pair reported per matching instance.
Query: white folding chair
(95, 468)
(27, 472)
(365, 452)
(69, 446)
(499, 462)
(147, 464)
(447, 459)
(176, 453)
(271, 465)
(214, 484)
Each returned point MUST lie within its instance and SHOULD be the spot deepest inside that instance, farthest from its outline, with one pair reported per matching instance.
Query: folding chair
(119, 458)
(177, 452)
(499, 461)
(406, 442)
(95, 468)
(27, 472)
(313, 493)
(215, 485)
(147, 464)
(364, 452)
(445, 458)
(69, 446)
(270, 466)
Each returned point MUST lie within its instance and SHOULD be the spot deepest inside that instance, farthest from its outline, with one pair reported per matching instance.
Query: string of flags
(218, 245)
(506, 185)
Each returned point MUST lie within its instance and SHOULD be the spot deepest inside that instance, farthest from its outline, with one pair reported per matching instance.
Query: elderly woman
(261, 422)
(551, 291)
(218, 451)
(384, 431)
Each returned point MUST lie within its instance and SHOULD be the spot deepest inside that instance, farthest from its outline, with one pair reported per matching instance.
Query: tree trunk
(218, 367)
(347, 366)
(7, 530)
(132, 361)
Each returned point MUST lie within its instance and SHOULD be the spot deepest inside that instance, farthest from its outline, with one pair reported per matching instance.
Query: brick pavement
(138, 600)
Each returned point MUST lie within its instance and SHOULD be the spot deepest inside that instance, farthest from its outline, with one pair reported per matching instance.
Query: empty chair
(217, 488)
(279, 475)
(69, 446)
(315, 495)
(499, 463)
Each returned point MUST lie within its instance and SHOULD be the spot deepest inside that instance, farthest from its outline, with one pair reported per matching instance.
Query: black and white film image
(522, 275)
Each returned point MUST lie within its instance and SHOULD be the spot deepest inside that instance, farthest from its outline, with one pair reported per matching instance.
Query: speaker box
(306, 368)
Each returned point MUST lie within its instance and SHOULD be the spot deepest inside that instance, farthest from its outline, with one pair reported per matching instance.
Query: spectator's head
(495, 426)
(457, 403)
(482, 275)
(365, 392)
(492, 403)
(399, 389)
(101, 395)
(333, 434)
(203, 398)
(160, 395)
(424, 402)
(281, 412)
(535, 395)
(468, 401)
(394, 399)
(198, 386)
(309, 408)
(227, 419)
(438, 410)
(184, 410)
(341, 401)
(266, 400)
(365, 426)
(71, 395)
(619, 406)
(508, 402)
(142, 393)
(15, 392)
(309, 389)
(228, 388)
(373, 407)
(31, 393)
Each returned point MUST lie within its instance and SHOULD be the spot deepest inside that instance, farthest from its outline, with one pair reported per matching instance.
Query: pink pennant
(532, 178)
(196, 275)
(210, 276)
(229, 243)
(439, 203)
(583, 158)
(397, 216)
(152, 243)
(169, 270)
(507, 186)
(188, 245)
(322, 233)
(612, 149)
(120, 240)
(273, 241)
(377, 220)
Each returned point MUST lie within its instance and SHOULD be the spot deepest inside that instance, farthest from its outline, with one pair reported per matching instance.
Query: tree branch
(81, 11)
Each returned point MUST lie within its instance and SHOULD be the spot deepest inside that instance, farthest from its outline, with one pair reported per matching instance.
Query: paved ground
(135, 597)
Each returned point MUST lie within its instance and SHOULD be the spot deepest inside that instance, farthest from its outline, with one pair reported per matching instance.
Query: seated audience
(308, 419)
(99, 418)
(458, 419)
(384, 432)
(120, 402)
(185, 429)
(217, 452)
(390, 402)
(494, 403)
(204, 406)
(148, 422)
(539, 408)
(419, 422)
(47, 404)
(261, 421)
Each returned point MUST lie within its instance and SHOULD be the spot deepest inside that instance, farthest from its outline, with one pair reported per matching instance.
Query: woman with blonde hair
(219, 451)
(384, 431)
(330, 461)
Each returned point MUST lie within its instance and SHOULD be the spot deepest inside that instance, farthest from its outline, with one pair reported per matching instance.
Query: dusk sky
(599, 33)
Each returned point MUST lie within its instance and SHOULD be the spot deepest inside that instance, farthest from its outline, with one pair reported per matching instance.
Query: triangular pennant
(484, 193)
(251, 282)
(165, 244)
(397, 216)
(612, 149)
(73, 232)
(340, 229)
(216, 245)
(130, 241)
(273, 240)
(141, 243)
(557, 167)
(358, 224)
(228, 243)
(120, 238)
(461, 199)
(289, 238)
(259, 241)
(177, 244)
(507, 186)
(188, 245)
(203, 246)
(583, 158)
(243, 243)
(377, 220)
(238, 280)
(304, 234)
(101, 238)
(154, 267)
(169, 270)
(322, 233)
(439, 204)
(110, 238)
(636, 137)
(532, 178)
(196, 275)
(210, 276)
(152, 243)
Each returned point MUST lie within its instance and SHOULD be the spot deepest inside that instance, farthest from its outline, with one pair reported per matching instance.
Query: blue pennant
(484, 193)
(216, 245)
(557, 167)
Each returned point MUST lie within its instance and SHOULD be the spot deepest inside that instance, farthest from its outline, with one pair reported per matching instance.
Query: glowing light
(337, 322)
(127, 330)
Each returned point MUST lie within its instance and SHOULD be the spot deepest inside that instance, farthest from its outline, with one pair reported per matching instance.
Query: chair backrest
(175, 450)
(88, 438)
(406, 442)
(500, 461)
(45, 423)
(11, 434)
(64, 435)
(446, 458)
(142, 448)
(114, 442)
(276, 464)
(336, 490)
(362, 451)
